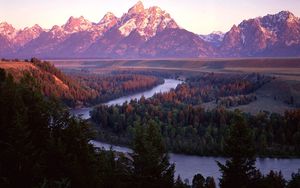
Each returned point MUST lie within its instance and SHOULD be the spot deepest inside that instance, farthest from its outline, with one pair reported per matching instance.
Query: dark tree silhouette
(239, 170)
(295, 181)
(150, 158)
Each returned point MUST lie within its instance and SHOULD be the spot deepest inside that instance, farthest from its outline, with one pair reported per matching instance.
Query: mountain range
(152, 33)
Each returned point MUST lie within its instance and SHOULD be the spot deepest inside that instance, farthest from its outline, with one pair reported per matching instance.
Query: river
(186, 165)
(165, 87)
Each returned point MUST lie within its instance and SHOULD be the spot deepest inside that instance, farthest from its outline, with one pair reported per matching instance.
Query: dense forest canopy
(225, 89)
(42, 145)
(80, 89)
(116, 85)
(52, 82)
(188, 128)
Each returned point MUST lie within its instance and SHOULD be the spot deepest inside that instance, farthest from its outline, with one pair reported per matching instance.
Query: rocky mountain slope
(271, 35)
(151, 33)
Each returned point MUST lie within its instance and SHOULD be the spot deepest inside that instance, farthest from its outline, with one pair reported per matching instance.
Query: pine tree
(2, 75)
(210, 182)
(41, 144)
(273, 180)
(239, 170)
(295, 181)
(151, 162)
(198, 181)
(180, 184)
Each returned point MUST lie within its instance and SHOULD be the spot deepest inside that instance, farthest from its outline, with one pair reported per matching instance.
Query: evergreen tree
(179, 183)
(210, 182)
(150, 158)
(295, 181)
(273, 180)
(198, 181)
(2, 75)
(239, 170)
(42, 145)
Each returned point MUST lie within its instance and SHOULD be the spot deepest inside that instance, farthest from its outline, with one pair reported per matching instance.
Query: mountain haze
(151, 33)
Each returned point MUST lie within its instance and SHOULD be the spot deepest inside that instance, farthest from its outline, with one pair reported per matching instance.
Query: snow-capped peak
(147, 22)
(285, 15)
(137, 8)
(36, 28)
(235, 29)
(155, 10)
(107, 22)
(7, 30)
(77, 24)
(58, 32)
(214, 38)
(220, 33)
(214, 34)
(28, 34)
(108, 17)
(281, 17)
(56, 28)
(128, 27)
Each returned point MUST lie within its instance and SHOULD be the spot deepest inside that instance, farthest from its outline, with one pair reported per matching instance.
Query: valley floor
(273, 97)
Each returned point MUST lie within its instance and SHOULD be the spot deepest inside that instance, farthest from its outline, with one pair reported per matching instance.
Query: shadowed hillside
(51, 81)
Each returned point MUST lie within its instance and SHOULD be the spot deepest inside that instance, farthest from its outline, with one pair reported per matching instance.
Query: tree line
(84, 90)
(115, 85)
(211, 87)
(188, 128)
(194, 130)
(42, 145)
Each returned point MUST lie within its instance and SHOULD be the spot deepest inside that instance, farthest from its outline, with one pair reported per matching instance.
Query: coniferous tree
(210, 182)
(150, 158)
(273, 180)
(43, 146)
(198, 181)
(2, 75)
(295, 181)
(179, 183)
(239, 170)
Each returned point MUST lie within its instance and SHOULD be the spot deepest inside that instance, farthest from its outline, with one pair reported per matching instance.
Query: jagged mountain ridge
(151, 33)
(271, 35)
(215, 38)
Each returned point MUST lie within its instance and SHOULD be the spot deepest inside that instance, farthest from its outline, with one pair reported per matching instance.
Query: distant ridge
(152, 33)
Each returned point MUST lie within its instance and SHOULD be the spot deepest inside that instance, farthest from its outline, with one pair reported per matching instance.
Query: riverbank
(110, 139)
(188, 165)
(108, 136)
(166, 86)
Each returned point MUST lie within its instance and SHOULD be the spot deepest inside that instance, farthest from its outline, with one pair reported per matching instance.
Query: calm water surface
(187, 166)
(165, 87)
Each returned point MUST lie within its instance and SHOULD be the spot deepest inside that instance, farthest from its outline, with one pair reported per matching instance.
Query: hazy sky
(199, 16)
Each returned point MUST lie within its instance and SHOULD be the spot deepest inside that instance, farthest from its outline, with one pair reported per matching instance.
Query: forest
(52, 82)
(77, 89)
(53, 149)
(228, 89)
(188, 128)
(115, 85)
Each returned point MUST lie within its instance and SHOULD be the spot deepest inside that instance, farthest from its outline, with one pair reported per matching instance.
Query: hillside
(52, 81)
(79, 89)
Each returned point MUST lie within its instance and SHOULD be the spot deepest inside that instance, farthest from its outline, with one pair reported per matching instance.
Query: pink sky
(198, 16)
